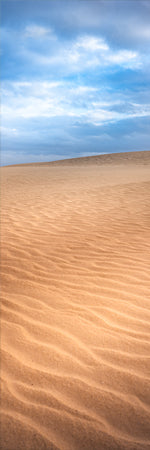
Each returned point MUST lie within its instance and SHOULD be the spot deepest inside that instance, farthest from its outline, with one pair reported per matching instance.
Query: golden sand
(76, 304)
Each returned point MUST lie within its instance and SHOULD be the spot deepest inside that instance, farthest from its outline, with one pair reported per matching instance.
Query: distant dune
(75, 315)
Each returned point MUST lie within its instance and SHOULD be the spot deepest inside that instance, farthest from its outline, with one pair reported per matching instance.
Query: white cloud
(6, 131)
(90, 52)
(51, 99)
(33, 89)
(37, 32)
(84, 52)
(31, 107)
(124, 57)
(22, 84)
(101, 104)
(100, 116)
(83, 90)
(91, 43)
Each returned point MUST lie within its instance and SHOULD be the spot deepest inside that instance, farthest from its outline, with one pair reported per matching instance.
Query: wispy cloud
(68, 56)
(37, 32)
(91, 44)
(52, 99)
(83, 53)
(6, 131)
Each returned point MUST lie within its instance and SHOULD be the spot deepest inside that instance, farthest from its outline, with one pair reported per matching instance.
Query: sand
(75, 312)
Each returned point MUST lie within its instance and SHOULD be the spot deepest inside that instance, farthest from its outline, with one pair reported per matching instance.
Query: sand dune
(75, 310)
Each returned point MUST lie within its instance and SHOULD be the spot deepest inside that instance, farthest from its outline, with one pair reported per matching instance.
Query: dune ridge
(75, 314)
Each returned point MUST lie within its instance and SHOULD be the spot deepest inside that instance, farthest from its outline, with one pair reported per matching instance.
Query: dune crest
(75, 315)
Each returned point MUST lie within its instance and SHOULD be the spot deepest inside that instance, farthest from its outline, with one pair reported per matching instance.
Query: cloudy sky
(75, 78)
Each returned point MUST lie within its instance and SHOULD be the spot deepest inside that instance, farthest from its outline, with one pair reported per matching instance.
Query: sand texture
(75, 315)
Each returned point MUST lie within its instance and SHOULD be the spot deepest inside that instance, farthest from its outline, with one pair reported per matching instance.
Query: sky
(75, 78)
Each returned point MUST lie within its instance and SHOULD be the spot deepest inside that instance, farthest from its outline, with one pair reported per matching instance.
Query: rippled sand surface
(75, 313)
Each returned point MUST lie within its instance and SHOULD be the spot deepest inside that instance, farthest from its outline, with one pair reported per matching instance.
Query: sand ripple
(75, 311)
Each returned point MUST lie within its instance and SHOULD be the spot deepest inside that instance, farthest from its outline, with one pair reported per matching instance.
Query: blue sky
(75, 78)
